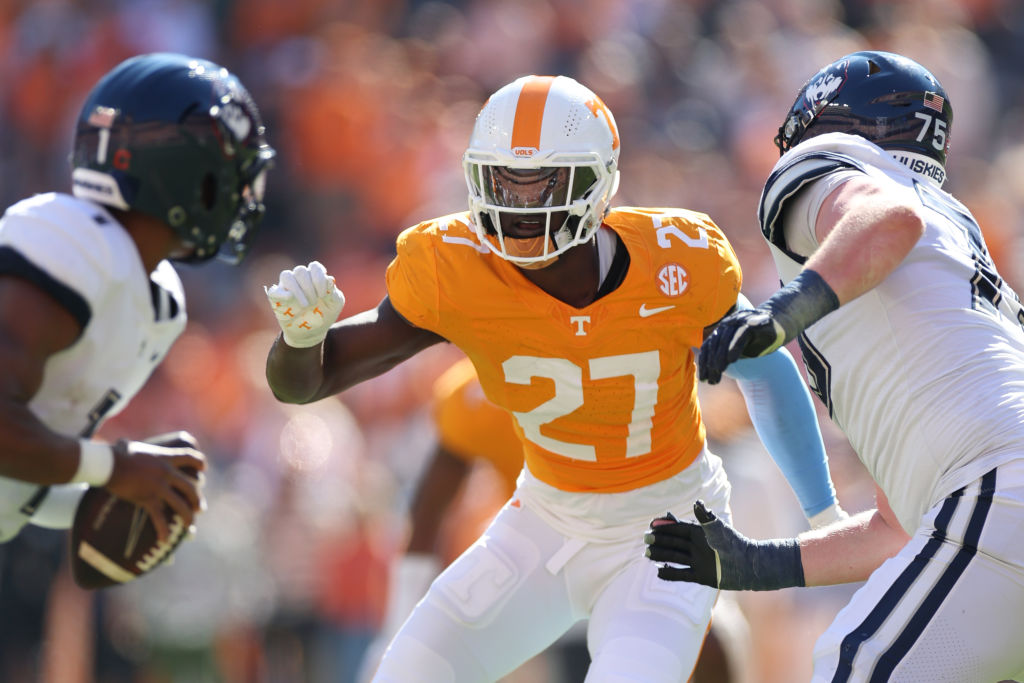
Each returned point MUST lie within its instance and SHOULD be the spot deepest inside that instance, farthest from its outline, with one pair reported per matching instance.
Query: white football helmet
(541, 166)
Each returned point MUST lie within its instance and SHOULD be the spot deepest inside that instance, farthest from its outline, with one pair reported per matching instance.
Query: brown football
(114, 541)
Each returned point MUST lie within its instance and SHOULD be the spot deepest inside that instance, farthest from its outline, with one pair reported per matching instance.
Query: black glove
(755, 332)
(714, 554)
(744, 334)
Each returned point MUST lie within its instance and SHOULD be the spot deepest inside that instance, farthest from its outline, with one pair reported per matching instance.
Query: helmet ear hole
(208, 191)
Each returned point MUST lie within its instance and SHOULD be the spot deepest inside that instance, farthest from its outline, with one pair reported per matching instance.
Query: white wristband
(95, 463)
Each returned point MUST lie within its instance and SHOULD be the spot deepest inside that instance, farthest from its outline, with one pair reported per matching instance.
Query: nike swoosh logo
(647, 312)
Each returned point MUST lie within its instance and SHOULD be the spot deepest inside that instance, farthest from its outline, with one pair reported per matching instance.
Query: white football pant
(523, 584)
(950, 605)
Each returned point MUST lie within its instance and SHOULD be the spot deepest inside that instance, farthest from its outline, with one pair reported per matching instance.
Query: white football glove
(306, 303)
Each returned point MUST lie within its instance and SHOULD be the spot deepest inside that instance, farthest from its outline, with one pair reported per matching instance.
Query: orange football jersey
(604, 396)
(471, 427)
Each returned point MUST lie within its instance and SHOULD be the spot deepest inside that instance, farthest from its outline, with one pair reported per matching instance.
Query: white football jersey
(79, 254)
(924, 373)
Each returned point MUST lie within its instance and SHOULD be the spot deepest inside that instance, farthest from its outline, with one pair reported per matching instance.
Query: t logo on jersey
(579, 320)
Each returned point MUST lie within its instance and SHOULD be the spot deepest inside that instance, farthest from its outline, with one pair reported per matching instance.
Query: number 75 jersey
(604, 396)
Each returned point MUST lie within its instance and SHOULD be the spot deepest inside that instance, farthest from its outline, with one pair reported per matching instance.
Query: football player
(471, 429)
(581, 321)
(914, 343)
(168, 160)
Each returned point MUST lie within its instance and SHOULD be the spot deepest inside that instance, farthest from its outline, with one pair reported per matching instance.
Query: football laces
(159, 552)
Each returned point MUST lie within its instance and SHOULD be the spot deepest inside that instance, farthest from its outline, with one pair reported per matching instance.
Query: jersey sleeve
(809, 162)
(67, 261)
(800, 214)
(723, 270)
(411, 279)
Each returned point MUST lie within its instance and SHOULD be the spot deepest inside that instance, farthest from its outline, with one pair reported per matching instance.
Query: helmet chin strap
(534, 246)
(528, 247)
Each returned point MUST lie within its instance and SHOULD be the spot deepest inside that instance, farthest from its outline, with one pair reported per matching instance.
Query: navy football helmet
(887, 98)
(180, 139)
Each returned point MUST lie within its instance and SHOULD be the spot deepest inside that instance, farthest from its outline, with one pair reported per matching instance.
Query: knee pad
(681, 602)
(474, 588)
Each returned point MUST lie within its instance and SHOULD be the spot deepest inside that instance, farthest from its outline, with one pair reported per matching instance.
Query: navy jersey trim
(791, 181)
(165, 305)
(32, 504)
(12, 262)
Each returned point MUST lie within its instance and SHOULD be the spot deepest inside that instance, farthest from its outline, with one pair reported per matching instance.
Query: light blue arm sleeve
(782, 412)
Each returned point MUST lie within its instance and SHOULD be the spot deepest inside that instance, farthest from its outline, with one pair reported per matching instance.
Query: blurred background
(370, 104)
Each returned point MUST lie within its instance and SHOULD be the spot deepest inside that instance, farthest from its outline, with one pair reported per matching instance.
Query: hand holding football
(113, 539)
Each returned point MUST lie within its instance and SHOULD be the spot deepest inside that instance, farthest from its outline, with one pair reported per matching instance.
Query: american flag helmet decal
(934, 101)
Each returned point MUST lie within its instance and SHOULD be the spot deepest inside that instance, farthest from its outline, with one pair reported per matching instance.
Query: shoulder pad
(787, 179)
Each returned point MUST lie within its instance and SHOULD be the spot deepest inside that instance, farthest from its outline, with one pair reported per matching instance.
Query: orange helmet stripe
(530, 112)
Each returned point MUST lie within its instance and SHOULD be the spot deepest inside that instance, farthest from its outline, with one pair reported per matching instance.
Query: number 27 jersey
(604, 396)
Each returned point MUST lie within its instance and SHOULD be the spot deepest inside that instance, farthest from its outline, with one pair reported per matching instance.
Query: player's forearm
(782, 413)
(356, 349)
(849, 550)
(31, 452)
(294, 375)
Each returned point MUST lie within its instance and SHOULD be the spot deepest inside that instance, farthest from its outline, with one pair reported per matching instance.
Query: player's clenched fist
(306, 303)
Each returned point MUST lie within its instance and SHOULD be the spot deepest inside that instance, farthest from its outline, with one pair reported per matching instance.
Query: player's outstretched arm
(315, 357)
(782, 412)
(850, 550)
(713, 553)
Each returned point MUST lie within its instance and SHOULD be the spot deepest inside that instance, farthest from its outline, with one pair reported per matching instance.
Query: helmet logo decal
(122, 159)
(596, 107)
(934, 101)
(819, 91)
(530, 112)
(673, 279)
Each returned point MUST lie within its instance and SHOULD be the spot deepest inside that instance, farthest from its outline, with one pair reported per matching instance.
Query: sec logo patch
(673, 279)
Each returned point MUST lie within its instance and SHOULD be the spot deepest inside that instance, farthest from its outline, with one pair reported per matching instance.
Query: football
(114, 541)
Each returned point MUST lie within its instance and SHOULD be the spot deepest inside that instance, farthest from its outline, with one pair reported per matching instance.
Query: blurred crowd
(369, 104)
